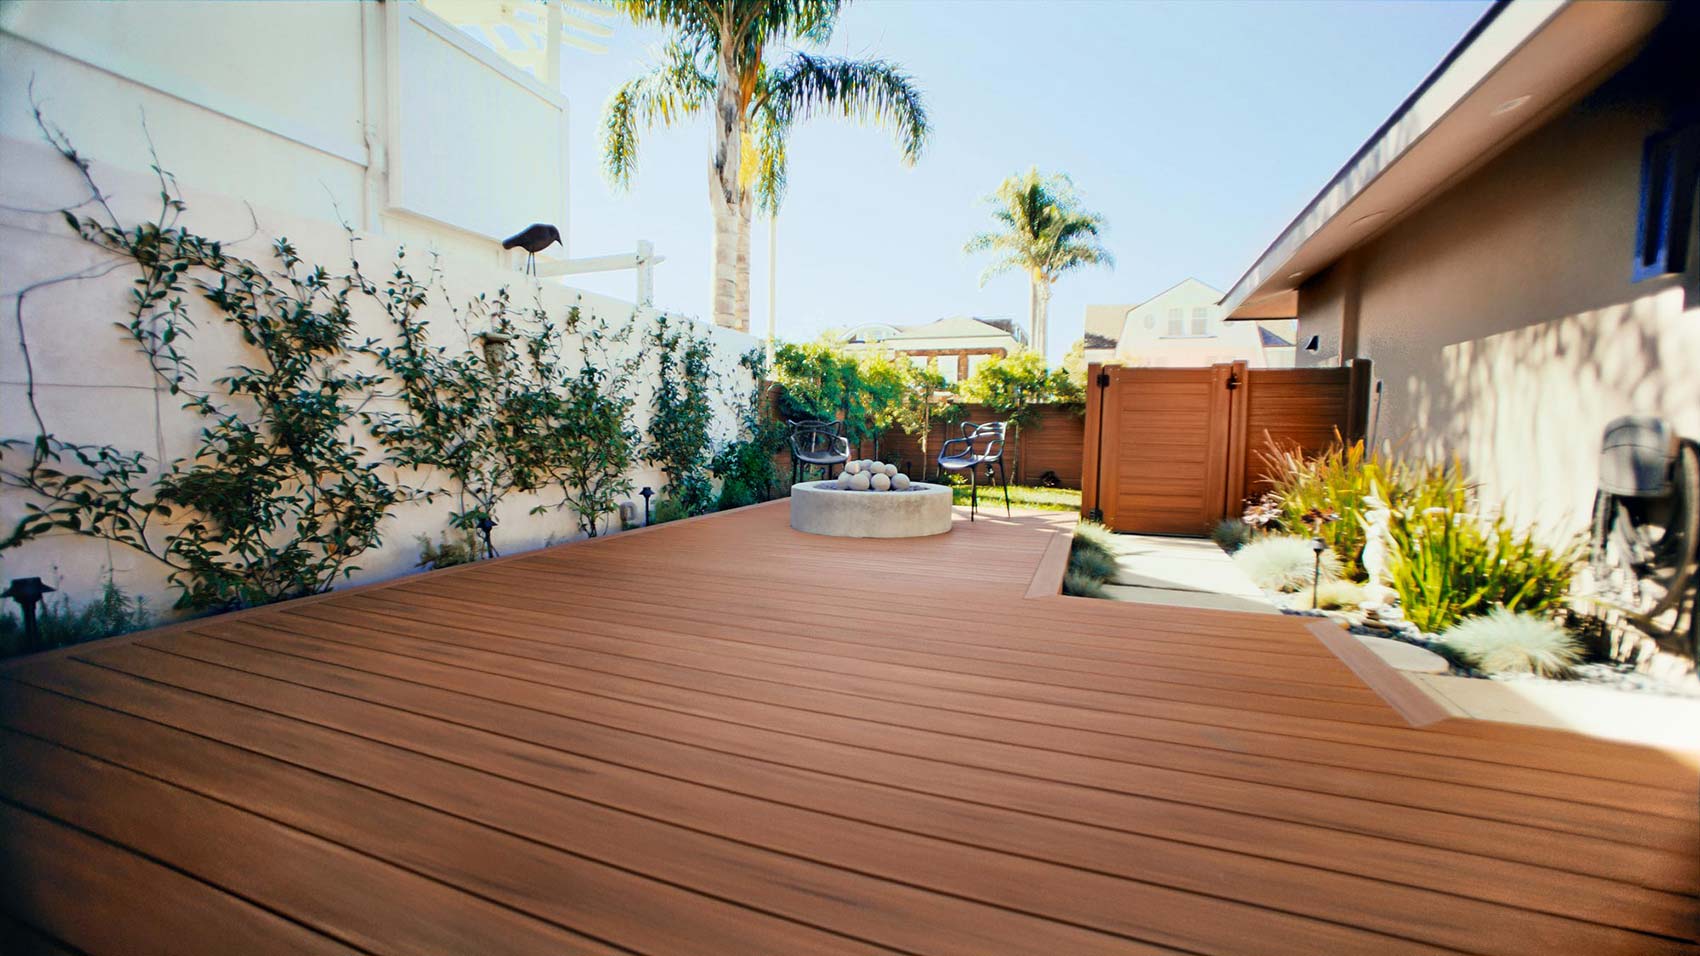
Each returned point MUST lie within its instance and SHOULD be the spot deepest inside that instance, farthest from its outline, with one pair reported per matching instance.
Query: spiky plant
(724, 59)
(1231, 534)
(1330, 596)
(1284, 564)
(1080, 585)
(1092, 563)
(1043, 231)
(1092, 535)
(1507, 642)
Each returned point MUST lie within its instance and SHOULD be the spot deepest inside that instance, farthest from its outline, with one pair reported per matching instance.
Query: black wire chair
(817, 444)
(979, 445)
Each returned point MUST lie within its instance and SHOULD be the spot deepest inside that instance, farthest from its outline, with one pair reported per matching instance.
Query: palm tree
(717, 57)
(1044, 232)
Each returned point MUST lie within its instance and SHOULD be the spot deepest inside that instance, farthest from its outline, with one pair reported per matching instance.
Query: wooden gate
(1174, 450)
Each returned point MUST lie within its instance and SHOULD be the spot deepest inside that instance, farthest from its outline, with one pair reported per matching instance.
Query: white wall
(92, 385)
(382, 114)
(1142, 332)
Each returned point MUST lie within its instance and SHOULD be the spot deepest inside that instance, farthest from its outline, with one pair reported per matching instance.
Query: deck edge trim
(1405, 697)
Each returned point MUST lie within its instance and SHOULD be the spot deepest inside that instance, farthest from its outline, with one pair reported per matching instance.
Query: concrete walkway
(1183, 572)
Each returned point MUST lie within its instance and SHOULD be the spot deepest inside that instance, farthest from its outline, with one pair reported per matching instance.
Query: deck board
(722, 736)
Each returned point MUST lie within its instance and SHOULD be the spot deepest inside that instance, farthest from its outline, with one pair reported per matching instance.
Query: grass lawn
(1026, 496)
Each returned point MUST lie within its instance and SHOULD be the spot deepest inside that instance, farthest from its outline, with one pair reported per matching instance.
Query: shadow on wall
(1526, 407)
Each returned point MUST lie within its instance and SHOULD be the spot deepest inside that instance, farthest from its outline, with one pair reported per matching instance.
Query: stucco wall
(92, 385)
(380, 114)
(1501, 317)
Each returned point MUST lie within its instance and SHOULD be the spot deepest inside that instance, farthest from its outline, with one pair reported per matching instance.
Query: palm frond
(871, 91)
(675, 88)
(1043, 228)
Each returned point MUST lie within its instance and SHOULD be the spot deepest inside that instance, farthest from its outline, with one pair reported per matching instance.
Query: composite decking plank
(1009, 881)
(1600, 808)
(999, 680)
(529, 743)
(343, 894)
(102, 898)
(790, 739)
(813, 900)
(769, 733)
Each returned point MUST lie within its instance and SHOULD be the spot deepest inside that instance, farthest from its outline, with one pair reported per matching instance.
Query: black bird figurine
(534, 239)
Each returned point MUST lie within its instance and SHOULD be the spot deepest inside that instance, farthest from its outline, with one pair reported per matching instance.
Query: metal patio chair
(817, 444)
(979, 445)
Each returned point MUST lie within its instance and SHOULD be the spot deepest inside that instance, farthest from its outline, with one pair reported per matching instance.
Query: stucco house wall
(1501, 317)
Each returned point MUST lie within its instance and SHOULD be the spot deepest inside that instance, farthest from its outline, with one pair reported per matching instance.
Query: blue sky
(1198, 130)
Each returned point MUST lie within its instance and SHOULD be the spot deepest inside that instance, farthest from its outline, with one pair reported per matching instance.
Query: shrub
(1337, 481)
(459, 547)
(1448, 564)
(1231, 534)
(1331, 596)
(1079, 585)
(1507, 642)
(1092, 563)
(668, 509)
(1284, 564)
(62, 623)
(1091, 534)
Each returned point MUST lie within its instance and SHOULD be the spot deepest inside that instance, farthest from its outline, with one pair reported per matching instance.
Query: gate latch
(1103, 379)
(1233, 380)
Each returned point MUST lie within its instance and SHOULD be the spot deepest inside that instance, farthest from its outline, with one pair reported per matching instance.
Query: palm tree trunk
(726, 198)
(1039, 313)
(741, 277)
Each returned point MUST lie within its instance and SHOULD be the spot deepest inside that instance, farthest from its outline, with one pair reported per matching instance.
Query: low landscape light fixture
(28, 592)
(647, 493)
(1313, 343)
(1317, 546)
(1514, 103)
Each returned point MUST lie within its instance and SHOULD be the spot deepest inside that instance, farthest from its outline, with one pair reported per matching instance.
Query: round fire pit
(821, 507)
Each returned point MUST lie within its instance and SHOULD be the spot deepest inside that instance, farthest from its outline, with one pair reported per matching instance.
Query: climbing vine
(279, 494)
(276, 499)
(681, 413)
(745, 464)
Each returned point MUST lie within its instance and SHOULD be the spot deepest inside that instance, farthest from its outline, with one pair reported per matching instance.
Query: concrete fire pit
(822, 507)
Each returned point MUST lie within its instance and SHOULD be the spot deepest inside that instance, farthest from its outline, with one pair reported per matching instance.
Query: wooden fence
(1051, 442)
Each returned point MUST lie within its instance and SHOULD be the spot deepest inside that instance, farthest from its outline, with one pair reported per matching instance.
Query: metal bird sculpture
(533, 239)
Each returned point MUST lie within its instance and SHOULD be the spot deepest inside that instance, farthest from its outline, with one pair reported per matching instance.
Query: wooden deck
(721, 736)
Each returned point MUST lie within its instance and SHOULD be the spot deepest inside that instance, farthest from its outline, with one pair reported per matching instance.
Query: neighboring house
(1182, 327)
(955, 347)
(1515, 249)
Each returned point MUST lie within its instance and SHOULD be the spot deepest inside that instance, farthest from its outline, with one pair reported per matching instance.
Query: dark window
(1668, 163)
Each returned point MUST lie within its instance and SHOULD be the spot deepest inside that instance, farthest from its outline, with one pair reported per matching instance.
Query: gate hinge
(1103, 379)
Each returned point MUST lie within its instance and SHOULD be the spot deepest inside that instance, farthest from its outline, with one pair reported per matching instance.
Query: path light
(1317, 546)
(647, 493)
(28, 592)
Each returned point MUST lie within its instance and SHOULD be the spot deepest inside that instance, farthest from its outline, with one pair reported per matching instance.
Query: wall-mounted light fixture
(495, 346)
(1313, 343)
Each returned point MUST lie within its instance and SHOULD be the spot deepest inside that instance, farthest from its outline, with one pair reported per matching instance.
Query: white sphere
(899, 482)
(881, 482)
(859, 481)
(890, 470)
(851, 467)
(844, 479)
